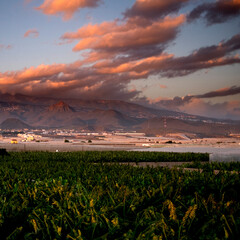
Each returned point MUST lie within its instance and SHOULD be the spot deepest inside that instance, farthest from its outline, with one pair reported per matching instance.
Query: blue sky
(150, 52)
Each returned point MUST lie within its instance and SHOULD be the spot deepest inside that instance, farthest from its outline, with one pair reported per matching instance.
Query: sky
(180, 55)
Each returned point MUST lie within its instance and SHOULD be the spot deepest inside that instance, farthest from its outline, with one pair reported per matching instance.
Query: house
(14, 141)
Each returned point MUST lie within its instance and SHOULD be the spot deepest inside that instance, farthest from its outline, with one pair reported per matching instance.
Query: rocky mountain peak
(60, 107)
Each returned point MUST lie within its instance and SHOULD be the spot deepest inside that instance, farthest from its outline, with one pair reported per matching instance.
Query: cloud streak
(66, 8)
(177, 102)
(152, 9)
(5, 47)
(217, 12)
(194, 104)
(31, 33)
(225, 110)
(228, 91)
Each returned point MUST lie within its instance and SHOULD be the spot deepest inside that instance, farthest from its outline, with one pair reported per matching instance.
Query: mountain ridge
(14, 123)
(109, 115)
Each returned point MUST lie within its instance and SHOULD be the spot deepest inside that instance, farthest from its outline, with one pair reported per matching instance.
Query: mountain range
(104, 115)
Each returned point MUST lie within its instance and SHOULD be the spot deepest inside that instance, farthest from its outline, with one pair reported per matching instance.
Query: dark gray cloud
(221, 92)
(217, 12)
(205, 57)
(194, 104)
(154, 9)
(177, 102)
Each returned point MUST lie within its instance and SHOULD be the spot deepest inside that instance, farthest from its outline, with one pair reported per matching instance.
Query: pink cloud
(31, 33)
(141, 67)
(6, 47)
(113, 36)
(66, 8)
(225, 110)
(196, 106)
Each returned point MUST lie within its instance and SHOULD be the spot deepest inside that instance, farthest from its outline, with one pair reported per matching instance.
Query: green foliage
(66, 196)
(113, 156)
(222, 166)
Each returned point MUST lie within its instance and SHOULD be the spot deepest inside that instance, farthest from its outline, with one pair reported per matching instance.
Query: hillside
(161, 126)
(105, 115)
(14, 123)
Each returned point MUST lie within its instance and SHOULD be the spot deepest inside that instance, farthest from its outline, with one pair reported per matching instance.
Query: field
(78, 196)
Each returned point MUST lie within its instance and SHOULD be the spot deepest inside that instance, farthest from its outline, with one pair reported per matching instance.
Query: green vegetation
(66, 196)
(112, 156)
(229, 166)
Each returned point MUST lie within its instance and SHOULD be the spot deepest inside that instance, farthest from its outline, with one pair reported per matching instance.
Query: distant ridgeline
(14, 124)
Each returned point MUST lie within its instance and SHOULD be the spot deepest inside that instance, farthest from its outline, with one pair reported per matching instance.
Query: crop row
(110, 156)
(60, 198)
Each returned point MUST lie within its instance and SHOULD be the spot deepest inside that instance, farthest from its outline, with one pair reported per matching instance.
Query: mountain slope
(161, 126)
(107, 115)
(129, 109)
(14, 123)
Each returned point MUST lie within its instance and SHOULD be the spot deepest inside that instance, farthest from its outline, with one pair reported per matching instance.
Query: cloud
(205, 57)
(31, 33)
(217, 12)
(131, 39)
(135, 45)
(225, 110)
(66, 8)
(168, 65)
(223, 92)
(110, 77)
(177, 101)
(194, 104)
(117, 52)
(154, 9)
(65, 80)
(5, 47)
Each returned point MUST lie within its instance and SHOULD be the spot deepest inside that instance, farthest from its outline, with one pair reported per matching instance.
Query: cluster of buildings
(43, 135)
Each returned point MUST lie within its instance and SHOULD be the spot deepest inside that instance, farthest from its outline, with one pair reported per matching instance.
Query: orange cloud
(31, 33)
(65, 7)
(139, 67)
(91, 30)
(126, 35)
